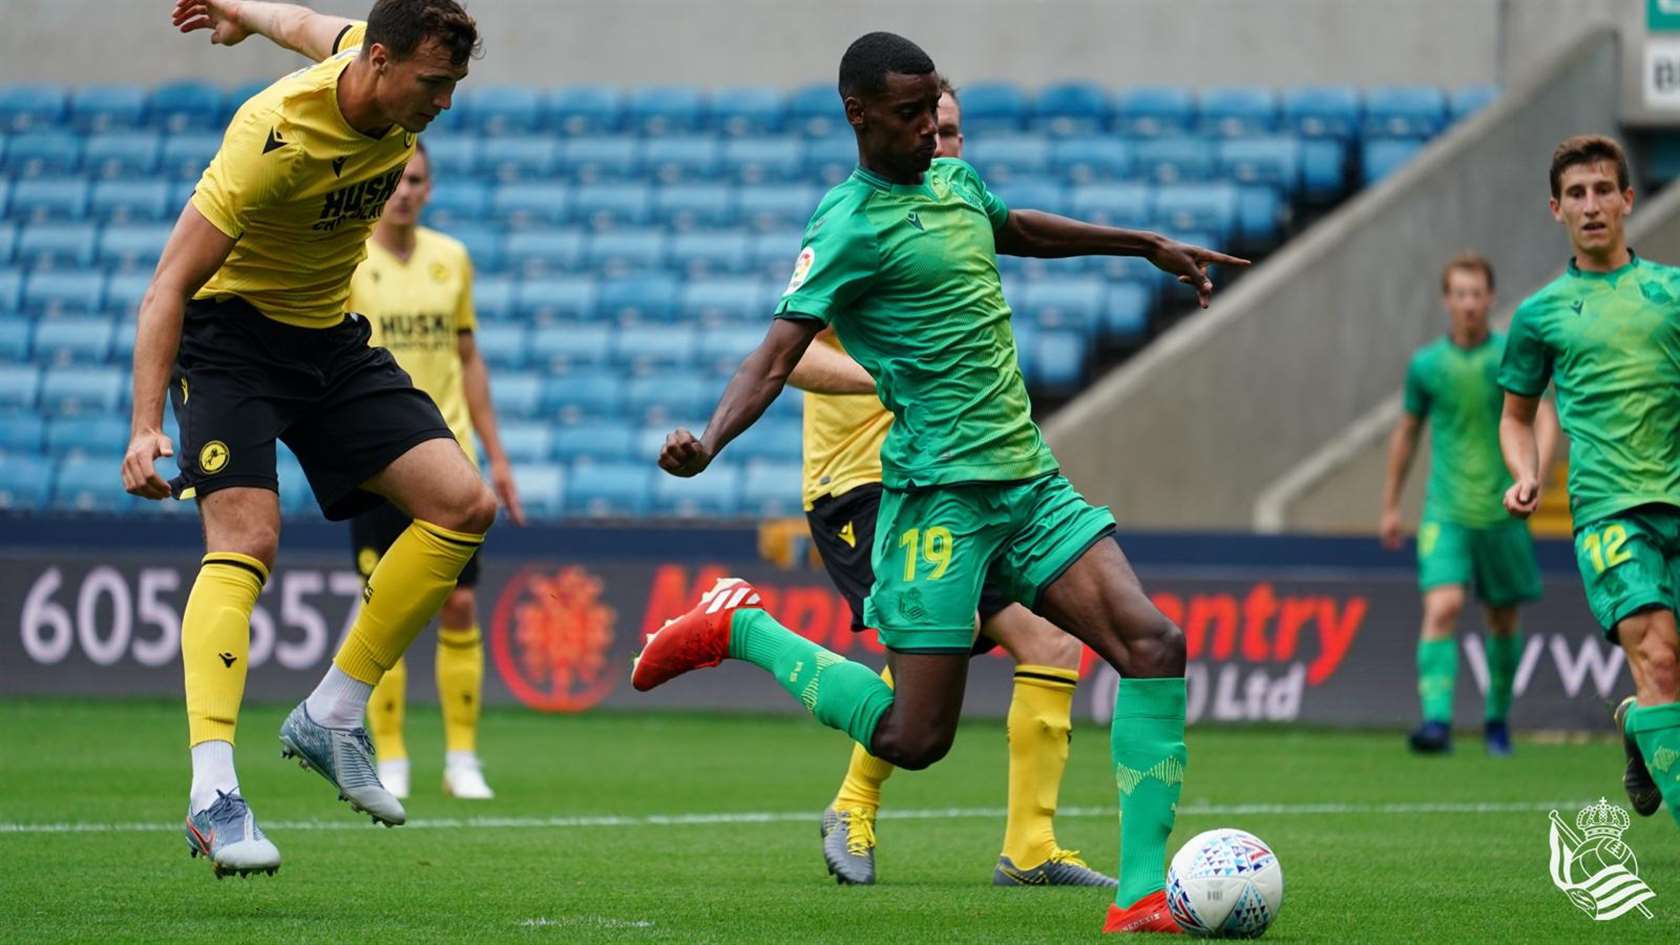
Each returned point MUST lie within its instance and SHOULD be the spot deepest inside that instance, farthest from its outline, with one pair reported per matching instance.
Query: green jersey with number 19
(907, 276)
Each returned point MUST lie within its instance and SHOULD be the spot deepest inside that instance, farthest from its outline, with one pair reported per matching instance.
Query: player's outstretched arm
(475, 384)
(756, 383)
(195, 250)
(299, 29)
(1522, 454)
(827, 370)
(1041, 235)
(1402, 446)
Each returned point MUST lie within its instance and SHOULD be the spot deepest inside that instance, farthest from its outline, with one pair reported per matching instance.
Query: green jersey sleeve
(967, 182)
(1526, 367)
(836, 265)
(1416, 398)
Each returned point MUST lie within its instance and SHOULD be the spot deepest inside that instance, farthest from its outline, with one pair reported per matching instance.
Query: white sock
(460, 759)
(340, 701)
(212, 768)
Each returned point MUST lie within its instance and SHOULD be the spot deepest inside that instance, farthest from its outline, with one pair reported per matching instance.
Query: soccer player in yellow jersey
(845, 425)
(245, 327)
(415, 288)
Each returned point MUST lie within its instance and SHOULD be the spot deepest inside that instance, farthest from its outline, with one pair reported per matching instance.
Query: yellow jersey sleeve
(350, 37)
(254, 170)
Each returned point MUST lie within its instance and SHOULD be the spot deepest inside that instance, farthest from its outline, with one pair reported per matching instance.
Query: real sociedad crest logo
(1594, 867)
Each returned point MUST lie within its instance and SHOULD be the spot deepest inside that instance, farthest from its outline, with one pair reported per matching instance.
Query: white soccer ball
(1225, 883)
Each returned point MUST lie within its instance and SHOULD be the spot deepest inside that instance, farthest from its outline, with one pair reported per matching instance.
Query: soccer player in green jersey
(1607, 334)
(901, 259)
(1466, 539)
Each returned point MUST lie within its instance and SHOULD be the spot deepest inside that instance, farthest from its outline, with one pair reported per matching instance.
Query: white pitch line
(779, 817)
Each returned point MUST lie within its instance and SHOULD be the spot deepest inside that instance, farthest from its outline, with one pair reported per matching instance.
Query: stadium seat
(43, 154)
(185, 156)
(62, 245)
(19, 385)
(610, 489)
(521, 158)
(181, 192)
(717, 492)
(11, 290)
(831, 159)
(699, 253)
(1206, 208)
(185, 106)
(516, 394)
(539, 251)
(132, 247)
(8, 242)
(25, 107)
(1127, 205)
(452, 157)
(1170, 160)
(1260, 214)
(50, 293)
(1072, 108)
(15, 332)
(1380, 157)
(1405, 112)
(750, 110)
(114, 155)
(483, 244)
(607, 205)
(571, 345)
(526, 204)
(1125, 314)
(777, 439)
(72, 339)
(502, 346)
(66, 390)
(1092, 160)
(1323, 169)
(49, 198)
(90, 484)
(1060, 359)
(990, 108)
(542, 488)
(1064, 303)
(722, 348)
(459, 201)
(663, 110)
(1003, 157)
(107, 107)
(771, 207)
(554, 298)
(592, 159)
(772, 489)
(583, 109)
(25, 481)
(1150, 112)
(584, 393)
(681, 158)
(123, 335)
(594, 440)
(649, 347)
(1033, 194)
(493, 297)
(126, 201)
(691, 206)
(1322, 112)
(816, 110)
(503, 110)
(617, 251)
(124, 291)
(1462, 103)
(672, 394)
(764, 160)
(1237, 112)
(88, 435)
(22, 433)
(642, 296)
(735, 299)
(773, 254)
(1274, 161)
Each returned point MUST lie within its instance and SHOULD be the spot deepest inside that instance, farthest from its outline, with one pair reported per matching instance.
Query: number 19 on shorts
(931, 546)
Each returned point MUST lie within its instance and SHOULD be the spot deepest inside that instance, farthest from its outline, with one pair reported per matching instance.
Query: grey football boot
(343, 756)
(848, 839)
(1642, 792)
(1063, 868)
(227, 834)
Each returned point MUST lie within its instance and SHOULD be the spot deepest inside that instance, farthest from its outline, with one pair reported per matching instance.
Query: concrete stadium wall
(1188, 433)
(794, 42)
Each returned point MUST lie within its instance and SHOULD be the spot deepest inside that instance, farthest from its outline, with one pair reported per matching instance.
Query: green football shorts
(1496, 561)
(1630, 562)
(936, 547)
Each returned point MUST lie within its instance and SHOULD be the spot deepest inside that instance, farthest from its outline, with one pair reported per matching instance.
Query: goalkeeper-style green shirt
(1456, 390)
(1611, 343)
(907, 275)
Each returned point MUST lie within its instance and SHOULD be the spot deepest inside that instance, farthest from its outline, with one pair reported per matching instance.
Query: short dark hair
(946, 88)
(1587, 149)
(868, 61)
(402, 25)
(1467, 262)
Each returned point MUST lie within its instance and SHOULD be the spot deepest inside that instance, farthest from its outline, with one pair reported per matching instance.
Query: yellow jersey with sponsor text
(843, 438)
(418, 308)
(299, 189)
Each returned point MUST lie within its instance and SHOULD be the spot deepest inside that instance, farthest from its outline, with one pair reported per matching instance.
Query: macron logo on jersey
(274, 141)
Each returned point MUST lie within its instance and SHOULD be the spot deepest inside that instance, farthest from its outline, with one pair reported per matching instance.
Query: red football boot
(1148, 914)
(696, 640)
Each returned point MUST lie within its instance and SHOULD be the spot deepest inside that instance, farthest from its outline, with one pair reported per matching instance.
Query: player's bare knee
(457, 608)
(1058, 649)
(474, 515)
(1661, 663)
(914, 751)
(1157, 653)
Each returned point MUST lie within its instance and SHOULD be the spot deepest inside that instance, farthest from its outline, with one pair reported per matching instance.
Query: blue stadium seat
(21, 433)
(773, 254)
(124, 291)
(43, 154)
(1380, 157)
(132, 247)
(81, 389)
(1462, 103)
(539, 251)
(90, 484)
(583, 109)
(663, 110)
(1169, 160)
(650, 439)
(764, 160)
(460, 201)
(1128, 205)
(1059, 356)
(608, 205)
(115, 155)
(716, 492)
(672, 394)
(698, 253)
(596, 440)
(555, 298)
(493, 297)
(186, 106)
(776, 439)
(1237, 112)
(25, 107)
(1092, 160)
(591, 159)
(1003, 157)
(25, 481)
(751, 110)
(585, 393)
(131, 200)
(610, 489)
(1072, 108)
(1207, 208)
(571, 345)
(649, 296)
(1323, 169)
(1322, 111)
(646, 347)
(619, 250)
(503, 346)
(1153, 111)
(683, 158)
(772, 489)
(503, 109)
(53, 292)
(1273, 161)
(789, 405)
(1260, 213)
(722, 348)
(731, 299)
(106, 107)
(11, 290)
(831, 159)
(1075, 303)
(691, 206)
(452, 157)
(1418, 111)
(516, 394)
(185, 156)
(521, 157)
(19, 385)
(8, 242)
(533, 204)
(122, 347)
(1126, 312)
(66, 245)
(1034, 193)
(181, 192)
(49, 199)
(769, 207)
(542, 488)
(14, 338)
(816, 110)
(88, 435)
(990, 108)
(73, 339)
(483, 244)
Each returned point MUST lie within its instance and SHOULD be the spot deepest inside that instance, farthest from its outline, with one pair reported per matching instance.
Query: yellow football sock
(402, 595)
(216, 642)
(460, 680)
(1040, 727)
(385, 713)
(864, 775)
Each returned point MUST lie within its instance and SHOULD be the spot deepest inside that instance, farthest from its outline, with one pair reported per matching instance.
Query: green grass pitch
(601, 833)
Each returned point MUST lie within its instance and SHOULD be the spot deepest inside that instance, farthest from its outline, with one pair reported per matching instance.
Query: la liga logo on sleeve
(801, 268)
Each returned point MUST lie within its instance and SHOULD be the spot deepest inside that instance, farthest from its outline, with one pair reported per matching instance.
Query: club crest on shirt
(801, 268)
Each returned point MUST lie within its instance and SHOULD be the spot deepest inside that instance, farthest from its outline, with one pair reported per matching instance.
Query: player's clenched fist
(1522, 498)
(683, 454)
(139, 473)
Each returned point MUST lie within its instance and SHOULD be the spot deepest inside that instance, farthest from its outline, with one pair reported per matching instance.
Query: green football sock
(1503, 654)
(1437, 663)
(836, 691)
(1146, 742)
(1657, 730)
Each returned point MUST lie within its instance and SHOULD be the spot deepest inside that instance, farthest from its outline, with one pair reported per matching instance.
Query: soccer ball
(1225, 883)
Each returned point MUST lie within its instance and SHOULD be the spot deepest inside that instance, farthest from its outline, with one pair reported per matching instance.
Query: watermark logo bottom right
(1593, 867)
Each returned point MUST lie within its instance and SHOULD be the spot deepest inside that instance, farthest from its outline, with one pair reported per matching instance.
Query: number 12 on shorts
(1605, 547)
(933, 546)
